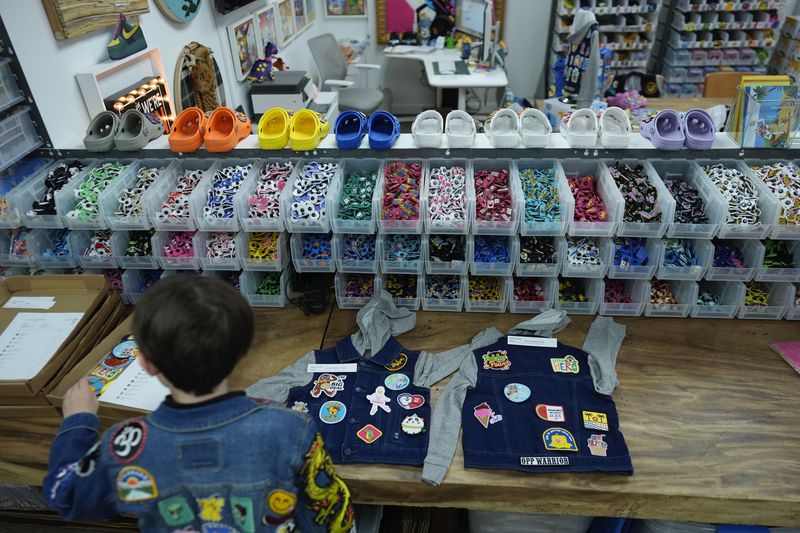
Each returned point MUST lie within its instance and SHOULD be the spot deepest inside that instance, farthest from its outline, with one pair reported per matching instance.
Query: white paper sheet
(30, 302)
(135, 388)
(30, 340)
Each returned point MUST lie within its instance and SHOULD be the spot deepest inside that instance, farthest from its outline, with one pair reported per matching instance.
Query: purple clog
(699, 129)
(664, 130)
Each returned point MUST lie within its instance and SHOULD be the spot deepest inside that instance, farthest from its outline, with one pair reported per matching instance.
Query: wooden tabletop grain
(709, 412)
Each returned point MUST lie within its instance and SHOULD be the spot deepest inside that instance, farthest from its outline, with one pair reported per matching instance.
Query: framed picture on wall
(311, 11)
(286, 21)
(244, 45)
(267, 28)
(299, 14)
(345, 8)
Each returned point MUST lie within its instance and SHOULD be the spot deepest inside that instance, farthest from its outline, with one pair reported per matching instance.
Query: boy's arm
(324, 499)
(76, 484)
(277, 387)
(432, 368)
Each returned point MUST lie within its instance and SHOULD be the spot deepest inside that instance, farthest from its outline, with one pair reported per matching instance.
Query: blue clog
(350, 128)
(384, 129)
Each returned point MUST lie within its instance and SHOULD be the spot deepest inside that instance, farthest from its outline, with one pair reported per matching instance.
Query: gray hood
(582, 22)
(380, 319)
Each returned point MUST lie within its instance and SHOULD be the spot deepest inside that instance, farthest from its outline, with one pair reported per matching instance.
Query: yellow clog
(273, 129)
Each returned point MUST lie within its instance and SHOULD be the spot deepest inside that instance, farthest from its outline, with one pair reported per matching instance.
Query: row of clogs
(301, 130)
(583, 128)
(129, 132)
(220, 131)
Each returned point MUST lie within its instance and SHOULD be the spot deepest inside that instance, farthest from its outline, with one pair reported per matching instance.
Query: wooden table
(685, 104)
(709, 413)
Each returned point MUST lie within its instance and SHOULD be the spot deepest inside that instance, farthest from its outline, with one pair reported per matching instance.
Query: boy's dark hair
(194, 329)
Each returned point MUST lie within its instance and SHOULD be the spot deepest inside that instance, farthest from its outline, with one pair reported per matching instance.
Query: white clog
(460, 129)
(579, 128)
(534, 128)
(427, 129)
(615, 128)
(502, 128)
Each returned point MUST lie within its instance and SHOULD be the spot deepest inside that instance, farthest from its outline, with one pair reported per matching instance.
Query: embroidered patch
(544, 461)
(175, 511)
(517, 392)
(559, 439)
(397, 363)
(332, 412)
(216, 527)
(127, 442)
(331, 499)
(135, 484)
(496, 360)
(413, 424)
(329, 384)
(369, 433)
(88, 462)
(211, 508)
(242, 510)
(551, 413)
(281, 502)
(300, 407)
(153, 118)
(397, 381)
(597, 446)
(486, 415)
(379, 400)
(410, 401)
(567, 365)
(287, 527)
(592, 420)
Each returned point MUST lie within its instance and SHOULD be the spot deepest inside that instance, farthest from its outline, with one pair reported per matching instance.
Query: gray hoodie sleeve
(602, 343)
(589, 81)
(276, 388)
(446, 417)
(433, 368)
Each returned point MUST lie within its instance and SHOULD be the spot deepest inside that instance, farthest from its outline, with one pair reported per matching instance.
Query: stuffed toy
(263, 69)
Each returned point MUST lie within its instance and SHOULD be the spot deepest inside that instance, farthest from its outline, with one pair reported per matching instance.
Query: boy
(208, 459)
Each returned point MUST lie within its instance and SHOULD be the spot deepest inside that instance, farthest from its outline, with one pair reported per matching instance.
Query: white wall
(50, 65)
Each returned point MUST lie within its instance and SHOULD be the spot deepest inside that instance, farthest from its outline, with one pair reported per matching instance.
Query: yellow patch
(281, 502)
(331, 501)
(211, 508)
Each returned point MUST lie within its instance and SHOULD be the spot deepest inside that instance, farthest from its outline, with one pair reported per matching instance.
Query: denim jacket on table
(225, 465)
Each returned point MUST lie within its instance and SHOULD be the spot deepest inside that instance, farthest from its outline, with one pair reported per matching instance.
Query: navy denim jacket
(225, 465)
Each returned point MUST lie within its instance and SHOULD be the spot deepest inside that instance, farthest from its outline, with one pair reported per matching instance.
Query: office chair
(333, 71)
(723, 84)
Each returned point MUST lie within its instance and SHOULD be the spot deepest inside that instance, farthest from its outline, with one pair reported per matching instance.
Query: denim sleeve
(602, 343)
(77, 485)
(277, 387)
(432, 368)
(324, 500)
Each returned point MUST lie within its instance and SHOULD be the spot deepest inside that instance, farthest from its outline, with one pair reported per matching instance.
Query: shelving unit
(697, 37)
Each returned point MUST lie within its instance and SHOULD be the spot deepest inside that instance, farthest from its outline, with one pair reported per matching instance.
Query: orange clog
(188, 130)
(226, 128)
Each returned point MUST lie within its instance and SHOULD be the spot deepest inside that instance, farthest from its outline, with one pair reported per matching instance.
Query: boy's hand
(80, 399)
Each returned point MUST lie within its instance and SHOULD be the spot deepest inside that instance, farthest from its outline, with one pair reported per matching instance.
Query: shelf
(638, 28)
(687, 7)
(710, 26)
(614, 10)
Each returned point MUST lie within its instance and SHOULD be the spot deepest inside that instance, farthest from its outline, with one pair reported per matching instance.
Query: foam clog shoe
(614, 128)
(459, 127)
(427, 129)
(273, 129)
(137, 129)
(188, 130)
(502, 128)
(226, 128)
(579, 128)
(664, 130)
(101, 131)
(534, 128)
(384, 130)
(307, 129)
(699, 129)
(350, 128)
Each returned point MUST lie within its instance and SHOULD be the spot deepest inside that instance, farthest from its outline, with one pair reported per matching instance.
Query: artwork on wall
(391, 15)
(286, 21)
(267, 28)
(72, 18)
(345, 8)
(311, 11)
(244, 45)
(179, 10)
(299, 14)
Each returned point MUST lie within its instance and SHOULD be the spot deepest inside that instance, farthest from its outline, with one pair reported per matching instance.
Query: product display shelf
(639, 291)
(13, 181)
(781, 297)
(242, 202)
(110, 198)
(248, 285)
(67, 198)
(550, 289)
(793, 312)
(730, 295)
(455, 304)
(566, 203)
(266, 264)
(198, 202)
(33, 190)
(345, 301)
(363, 167)
(410, 303)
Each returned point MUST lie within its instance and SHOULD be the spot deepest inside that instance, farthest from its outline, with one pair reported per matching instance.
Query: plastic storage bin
(199, 199)
(502, 227)
(160, 192)
(135, 262)
(639, 290)
(703, 250)
(766, 202)
(593, 289)
(483, 268)
(607, 191)
(79, 242)
(354, 302)
(566, 202)
(242, 203)
(132, 285)
(414, 266)
(665, 204)
(267, 264)
(588, 271)
(14, 181)
(55, 261)
(550, 286)
(248, 285)
(32, 191)
(443, 304)
(370, 167)
(793, 311)
(685, 293)
(201, 239)
(311, 265)
(323, 223)
(474, 305)
(782, 274)
(348, 264)
(9, 91)
(172, 263)
(109, 199)
(18, 137)
(66, 198)
(781, 297)
(413, 225)
(410, 303)
(449, 226)
(779, 231)
(730, 294)
(753, 252)
(542, 270)
(28, 259)
(653, 248)
(448, 267)
(715, 206)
